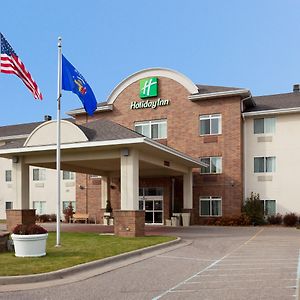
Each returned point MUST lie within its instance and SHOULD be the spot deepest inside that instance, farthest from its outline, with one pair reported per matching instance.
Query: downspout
(172, 195)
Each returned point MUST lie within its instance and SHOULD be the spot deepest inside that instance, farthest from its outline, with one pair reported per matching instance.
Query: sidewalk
(99, 228)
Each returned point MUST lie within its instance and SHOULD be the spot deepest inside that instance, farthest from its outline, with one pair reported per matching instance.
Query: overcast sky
(251, 43)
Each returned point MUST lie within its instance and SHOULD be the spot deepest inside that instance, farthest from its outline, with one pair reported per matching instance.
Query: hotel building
(167, 145)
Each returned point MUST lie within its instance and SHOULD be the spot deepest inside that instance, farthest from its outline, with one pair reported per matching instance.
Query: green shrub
(275, 219)
(29, 229)
(241, 220)
(253, 209)
(68, 212)
(290, 219)
(44, 218)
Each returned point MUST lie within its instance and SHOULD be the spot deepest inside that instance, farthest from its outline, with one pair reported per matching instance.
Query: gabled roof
(105, 130)
(275, 102)
(205, 89)
(19, 129)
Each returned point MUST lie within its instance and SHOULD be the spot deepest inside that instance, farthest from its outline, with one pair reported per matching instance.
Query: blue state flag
(73, 81)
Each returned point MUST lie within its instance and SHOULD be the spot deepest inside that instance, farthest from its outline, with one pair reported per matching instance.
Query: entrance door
(151, 200)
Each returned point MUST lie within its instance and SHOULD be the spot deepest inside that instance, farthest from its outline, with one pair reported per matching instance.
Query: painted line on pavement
(298, 277)
(205, 269)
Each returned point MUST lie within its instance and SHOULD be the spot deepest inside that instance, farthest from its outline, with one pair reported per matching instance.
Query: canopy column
(20, 214)
(129, 221)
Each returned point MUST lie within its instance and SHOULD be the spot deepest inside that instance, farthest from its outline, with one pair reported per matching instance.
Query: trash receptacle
(178, 216)
(186, 219)
(168, 222)
(174, 221)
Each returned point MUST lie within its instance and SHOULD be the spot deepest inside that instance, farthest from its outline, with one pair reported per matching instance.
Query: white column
(188, 190)
(129, 179)
(105, 188)
(20, 172)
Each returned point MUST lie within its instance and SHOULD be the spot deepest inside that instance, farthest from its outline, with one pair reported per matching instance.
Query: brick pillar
(129, 223)
(19, 216)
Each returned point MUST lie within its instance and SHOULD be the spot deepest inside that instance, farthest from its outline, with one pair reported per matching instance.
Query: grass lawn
(77, 248)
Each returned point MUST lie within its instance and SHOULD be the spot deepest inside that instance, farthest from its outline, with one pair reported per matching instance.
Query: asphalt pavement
(209, 263)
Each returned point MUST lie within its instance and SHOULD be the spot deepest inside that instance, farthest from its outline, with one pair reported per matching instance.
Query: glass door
(151, 200)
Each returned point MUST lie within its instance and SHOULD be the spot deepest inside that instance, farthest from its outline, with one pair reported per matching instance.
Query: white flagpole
(59, 76)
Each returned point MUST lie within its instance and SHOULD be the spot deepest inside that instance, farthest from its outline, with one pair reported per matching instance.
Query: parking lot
(263, 267)
(219, 263)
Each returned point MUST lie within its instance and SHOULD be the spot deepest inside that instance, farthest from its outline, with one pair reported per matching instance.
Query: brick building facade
(183, 123)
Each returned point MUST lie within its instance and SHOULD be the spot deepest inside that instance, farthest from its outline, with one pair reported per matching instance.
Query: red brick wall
(129, 223)
(183, 134)
(19, 216)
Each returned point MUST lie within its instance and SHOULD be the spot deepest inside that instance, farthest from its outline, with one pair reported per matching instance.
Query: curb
(71, 271)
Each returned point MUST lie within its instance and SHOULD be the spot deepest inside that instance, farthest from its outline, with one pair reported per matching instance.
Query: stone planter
(186, 219)
(32, 245)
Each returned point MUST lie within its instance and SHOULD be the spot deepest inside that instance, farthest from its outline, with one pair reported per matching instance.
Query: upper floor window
(214, 165)
(264, 164)
(210, 206)
(8, 175)
(67, 175)
(264, 125)
(210, 124)
(39, 174)
(156, 129)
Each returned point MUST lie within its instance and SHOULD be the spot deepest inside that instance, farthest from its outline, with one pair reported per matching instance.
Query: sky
(252, 44)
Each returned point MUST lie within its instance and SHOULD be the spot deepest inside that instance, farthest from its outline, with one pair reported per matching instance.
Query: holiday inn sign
(149, 89)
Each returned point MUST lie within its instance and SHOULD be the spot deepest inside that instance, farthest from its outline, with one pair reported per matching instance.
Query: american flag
(10, 63)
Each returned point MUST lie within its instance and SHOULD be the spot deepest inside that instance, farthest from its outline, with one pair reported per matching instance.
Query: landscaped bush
(53, 218)
(254, 210)
(29, 229)
(275, 219)
(290, 219)
(44, 218)
(241, 220)
(68, 212)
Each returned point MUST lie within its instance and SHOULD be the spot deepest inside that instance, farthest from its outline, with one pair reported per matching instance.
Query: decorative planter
(32, 245)
(186, 219)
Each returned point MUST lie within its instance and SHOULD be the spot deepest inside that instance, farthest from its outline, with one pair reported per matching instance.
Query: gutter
(80, 111)
(272, 112)
(241, 92)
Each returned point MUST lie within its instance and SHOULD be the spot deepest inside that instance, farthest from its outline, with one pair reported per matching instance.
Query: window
(40, 207)
(210, 124)
(7, 175)
(210, 206)
(269, 207)
(264, 125)
(8, 205)
(152, 129)
(264, 164)
(66, 204)
(39, 174)
(214, 165)
(68, 175)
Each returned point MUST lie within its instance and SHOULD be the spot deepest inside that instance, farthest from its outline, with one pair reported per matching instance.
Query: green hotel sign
(149, 89)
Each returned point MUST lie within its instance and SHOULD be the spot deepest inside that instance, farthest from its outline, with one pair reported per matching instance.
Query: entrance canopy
(96, 148)
(103, 148)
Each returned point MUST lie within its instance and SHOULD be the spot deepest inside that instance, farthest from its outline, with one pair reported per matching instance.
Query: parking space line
(207, 268)
(298, 277)
(250, 280)
(246, 274)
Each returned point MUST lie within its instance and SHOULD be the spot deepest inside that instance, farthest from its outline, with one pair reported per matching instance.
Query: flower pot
(32, 245)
